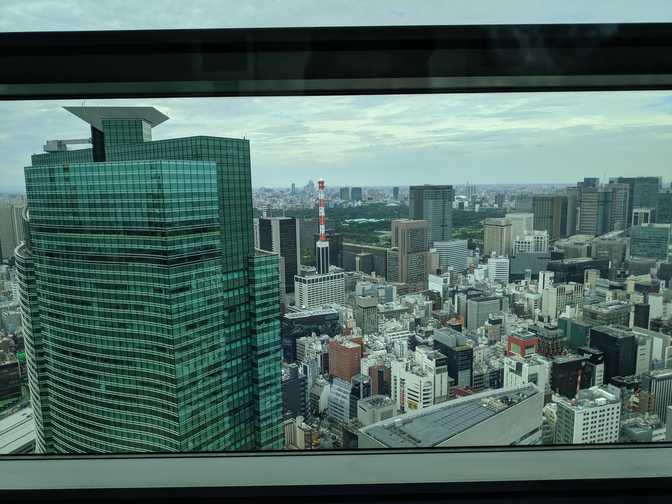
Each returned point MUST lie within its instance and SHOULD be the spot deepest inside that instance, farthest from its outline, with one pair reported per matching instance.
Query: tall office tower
(534, 243)
(620, 210)
(521, 223)
(643, 191)
(293, 189)
(593, 417)
(281, 235)
(344, 193)
(148, 319)
(356, 194)
(664, 207)
(501, 417)
(498, 269)
(650, 240)
(411, 239)
(11, 228)
(452, 254)
(395, 193)
(497, 237)
(499, 200)
(556, 298)
(366, 314)
(641, 216)
(656, 392)
(620, 350)
(433, 203)
(594, 211)
(294, 384)
(335, 241)
(555, 214)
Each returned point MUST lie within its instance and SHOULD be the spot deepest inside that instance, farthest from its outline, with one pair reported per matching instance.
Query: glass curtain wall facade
(137, 282)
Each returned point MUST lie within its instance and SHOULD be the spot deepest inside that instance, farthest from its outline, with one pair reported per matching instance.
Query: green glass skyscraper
(150, 322)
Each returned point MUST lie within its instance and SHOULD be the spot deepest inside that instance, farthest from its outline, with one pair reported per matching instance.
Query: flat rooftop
(17, 431)
(438, 423)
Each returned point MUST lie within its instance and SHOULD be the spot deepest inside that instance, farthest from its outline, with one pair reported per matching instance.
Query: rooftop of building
(95, 115)
(437, 424)
(617, 331)
(310, 312)
(607, 306)
(376, 401)
(16, 431)
(593, 397)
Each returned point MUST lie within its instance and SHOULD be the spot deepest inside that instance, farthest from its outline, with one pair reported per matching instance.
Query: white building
(531, 369)
(498, 269)
(546, 279)
(535, 242)
(417, 382)
(557, 298)
(521, 223)
(313, 290)
(452, 254)
(593, 417)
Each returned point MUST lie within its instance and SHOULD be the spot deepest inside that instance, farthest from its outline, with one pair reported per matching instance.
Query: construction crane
(62, 145)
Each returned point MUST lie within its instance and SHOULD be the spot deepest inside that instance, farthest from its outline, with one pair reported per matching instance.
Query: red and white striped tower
(322, 246)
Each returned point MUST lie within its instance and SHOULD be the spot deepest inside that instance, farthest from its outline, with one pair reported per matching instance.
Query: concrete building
(298, 434)
(607, 313)
(555, 214)
(344, 358)
(338, 408)
(535, 242)
(557, 298)
(313, 290)
(411, 240)
(620, 349)
(282, 236)
(460, 356)
(374, 409)
(641, 216)
(479, 308)
(521, 223)
(593, 417)
(656, 392)
(498, 269)
(494, 417)
(452, 254)
(366, 314)
(17, 433)
(420, 380)
(294, 392)
(434, 204)
(650, 240)
(531, 369)
(497, 237)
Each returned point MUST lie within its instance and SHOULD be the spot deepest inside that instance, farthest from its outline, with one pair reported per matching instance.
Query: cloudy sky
(373, 140)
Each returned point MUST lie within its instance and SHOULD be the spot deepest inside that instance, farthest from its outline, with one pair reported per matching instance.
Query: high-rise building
(395, 193)
(281, 235)
(593, 417)
(556, 298)
(312, 290)
(344, 358)
(643, 191)
(555, 214)
(366, 314)
(499, 200)
(452, 254)
(498, 269)
(650, 240)
(604, 209)
(497, 237)
(510, 416)
(420, 380)
(460, 356)
(433, 203)
(656, 390)
(520, 370)
(411, 239)
(620, 350)
(571, 373)
(356, 194)
(294, 395)
(664, 207)
(335, 241)
(642, 216)
(521, 223)
(175, 342)
(11, 228)
(344, 193)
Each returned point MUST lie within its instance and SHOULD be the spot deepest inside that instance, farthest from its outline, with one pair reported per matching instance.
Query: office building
(151, 295)
(452, 254)
(11, 228)
(378, 255)
(604, 209)
(521, 223)
(494, 417)
(576, 330)
(395, 193)
(410, 239)
(656, 391)
(303, 323)
(17, 433)
(522, 370)
(607, 313)
(593, 417)
(374, 409)
(556, 298)
(433, 203)
(344, 193)
(360, 390)
(596, 362)
(314, 290)
(460, 356)
(535, 242)
(338, 408)
(571, 373)
(498, 269)
(620, 350)
(573, 270)
(281, 235)
(612, 247)
(497, 237)
(335, 241)
(643, 216)
(356, 194)
(344, 358)
(555, 214)
(366, 314)
(298, 434)
(420, 380)
(479, 308)
(294, 392)
(650, 240)
(664, 207)
(522, 342)
(643, 191)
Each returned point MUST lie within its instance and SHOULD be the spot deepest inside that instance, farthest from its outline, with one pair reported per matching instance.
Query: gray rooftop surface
(440, 422)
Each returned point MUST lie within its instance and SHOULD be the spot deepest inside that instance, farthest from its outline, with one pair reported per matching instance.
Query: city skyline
(549, 138)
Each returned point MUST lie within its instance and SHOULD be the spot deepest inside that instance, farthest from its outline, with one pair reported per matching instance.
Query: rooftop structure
(17, 433)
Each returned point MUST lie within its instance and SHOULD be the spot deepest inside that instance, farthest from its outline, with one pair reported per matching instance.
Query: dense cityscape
(151, 300)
